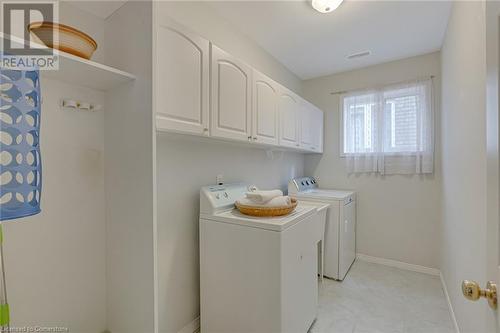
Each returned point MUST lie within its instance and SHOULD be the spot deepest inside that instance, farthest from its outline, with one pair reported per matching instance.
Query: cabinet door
(265, 126)
(288, 104)
(347, 238)
(311, 127)
(299, 276)
(317, 130)
(231, 96)
(182, 79)
(305, 125)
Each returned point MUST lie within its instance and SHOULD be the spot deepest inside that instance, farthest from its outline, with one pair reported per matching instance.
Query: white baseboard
(450, 307)
(192, 327)
(398, 264)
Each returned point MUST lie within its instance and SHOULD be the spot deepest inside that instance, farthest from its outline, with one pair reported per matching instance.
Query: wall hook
(79, 105)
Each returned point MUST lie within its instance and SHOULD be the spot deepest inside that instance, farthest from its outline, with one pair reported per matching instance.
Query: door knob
(473, 292)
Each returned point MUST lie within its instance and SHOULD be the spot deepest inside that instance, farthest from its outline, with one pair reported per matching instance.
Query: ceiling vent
(359, 55)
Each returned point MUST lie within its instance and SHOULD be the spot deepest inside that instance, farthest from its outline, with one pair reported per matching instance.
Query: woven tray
(267, 211)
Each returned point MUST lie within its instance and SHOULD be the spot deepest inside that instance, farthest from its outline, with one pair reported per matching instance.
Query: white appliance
(257, 274)
(321, 210)
(340, 230)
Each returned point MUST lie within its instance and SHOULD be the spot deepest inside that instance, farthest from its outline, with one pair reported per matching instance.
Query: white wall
(54, 260)
(129, 173)
(464, 161)
(86, 22)
(398, 216)
(184, 165)
(86, 262)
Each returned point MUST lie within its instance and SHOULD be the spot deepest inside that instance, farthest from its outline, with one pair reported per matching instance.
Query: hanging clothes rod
(385, 85)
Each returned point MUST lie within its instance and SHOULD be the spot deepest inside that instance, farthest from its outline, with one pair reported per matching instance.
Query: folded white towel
(274, 202)
(262, 197)
(253, 188)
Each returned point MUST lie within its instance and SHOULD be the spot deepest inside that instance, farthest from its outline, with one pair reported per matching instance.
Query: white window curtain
(389, 130)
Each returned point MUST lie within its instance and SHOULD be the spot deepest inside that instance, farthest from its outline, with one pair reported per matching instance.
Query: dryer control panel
(301, 184)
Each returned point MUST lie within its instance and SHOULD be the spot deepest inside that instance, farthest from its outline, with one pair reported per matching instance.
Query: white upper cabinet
(202, 90)
(301, 123)
(182, 80)
(231, 97)
(265, 127)
(311, 127)
(305, 125)
(317, 130)
(289, 107)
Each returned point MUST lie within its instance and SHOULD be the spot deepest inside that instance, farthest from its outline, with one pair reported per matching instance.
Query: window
(389, 122)
(359, 125)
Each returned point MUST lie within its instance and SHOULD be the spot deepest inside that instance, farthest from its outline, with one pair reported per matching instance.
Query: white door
(477, 256)
(182, 79)
(265, 125)
(493, 140)
(231, 97)
(288, 112)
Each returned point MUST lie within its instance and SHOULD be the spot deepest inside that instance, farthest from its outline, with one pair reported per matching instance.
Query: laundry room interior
(262, 166)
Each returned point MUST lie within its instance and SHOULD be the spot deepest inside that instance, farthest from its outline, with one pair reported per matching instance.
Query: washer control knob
(226, 195)
(217, 196)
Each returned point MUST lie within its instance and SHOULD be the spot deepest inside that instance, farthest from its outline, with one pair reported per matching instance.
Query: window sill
(408, 154)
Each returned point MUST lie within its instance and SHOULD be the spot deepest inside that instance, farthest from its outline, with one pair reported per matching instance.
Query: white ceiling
(311, 44)
(102, 9)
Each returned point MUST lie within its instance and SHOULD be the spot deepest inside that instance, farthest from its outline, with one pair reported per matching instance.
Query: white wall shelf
(76, 70)
(83, 72)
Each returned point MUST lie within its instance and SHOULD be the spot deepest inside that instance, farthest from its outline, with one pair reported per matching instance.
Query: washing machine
(257, 274)
(340, 227)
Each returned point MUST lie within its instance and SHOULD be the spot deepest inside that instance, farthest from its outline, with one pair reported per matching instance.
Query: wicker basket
(267, 211)
(70, 40)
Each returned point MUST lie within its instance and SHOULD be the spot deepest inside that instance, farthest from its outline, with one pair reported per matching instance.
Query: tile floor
(380, 299)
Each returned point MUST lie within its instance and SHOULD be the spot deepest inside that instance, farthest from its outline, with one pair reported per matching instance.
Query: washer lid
(325, 194)
(277, 223)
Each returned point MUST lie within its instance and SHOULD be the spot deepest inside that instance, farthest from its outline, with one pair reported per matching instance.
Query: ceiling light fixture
(325, 6)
